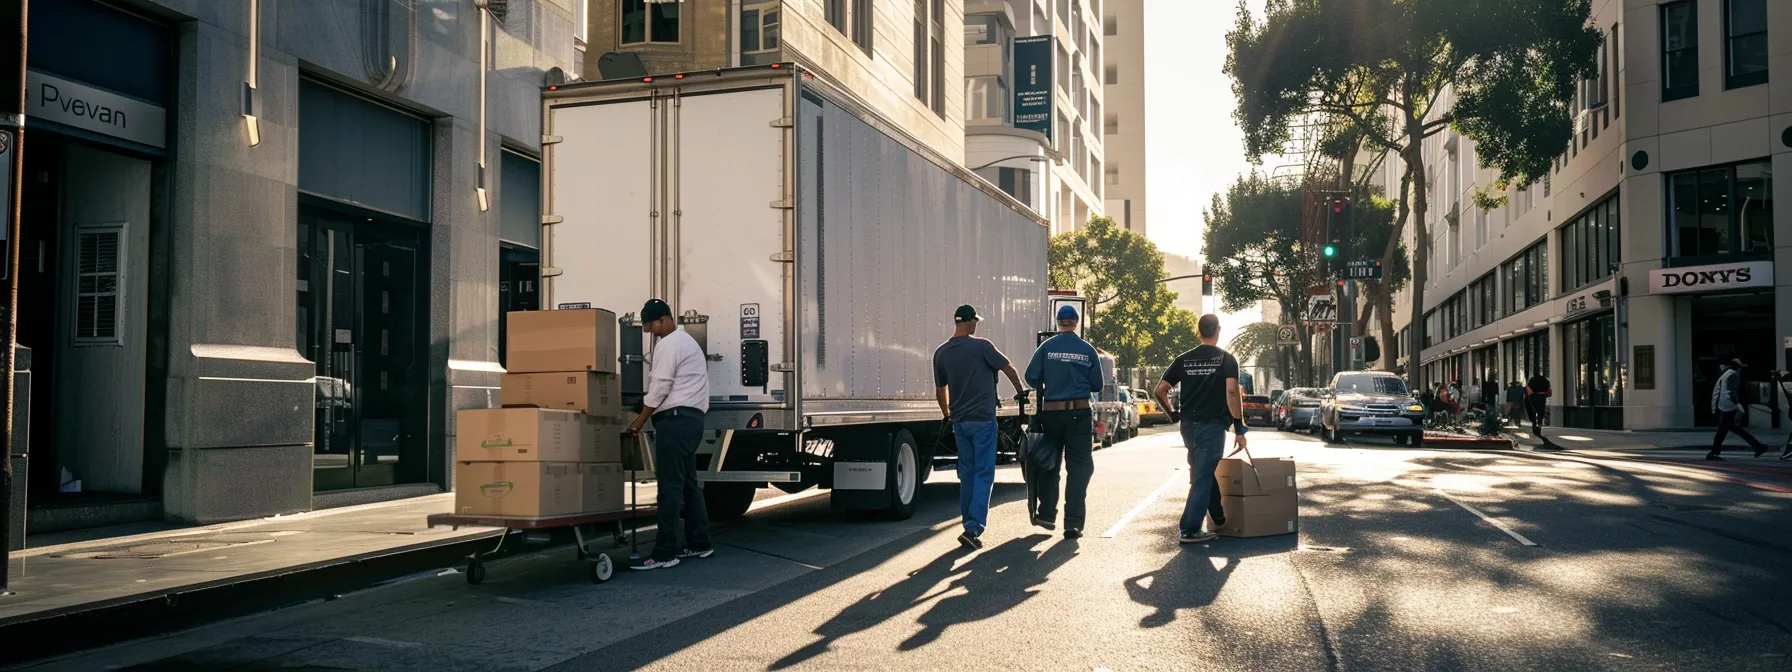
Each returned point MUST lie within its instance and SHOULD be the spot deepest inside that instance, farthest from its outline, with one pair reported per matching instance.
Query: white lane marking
(384, 642)
(1514, 533)
(1136, 510)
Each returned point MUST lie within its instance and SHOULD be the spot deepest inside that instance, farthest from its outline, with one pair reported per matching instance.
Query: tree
(1253, 342)
(1382, 66)
(1130, 313)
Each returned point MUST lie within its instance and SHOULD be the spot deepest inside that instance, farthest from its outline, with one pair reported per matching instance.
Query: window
(1110, 124)
(1589, 245)
(98, 283)
(985, 99)
(1723, 210)
(1679, 50)
(921, 50)
(1745, 43)
(1113, 175)
(1525, 356)
(861, 24)
(1485, 294)
(938, 62)
(1614, 49)
(1018, 182)
(1527, 278)
(758, 33)
(649, 22)
(1110, 74)
(835, 11)
(1110, 25)
(581, 21)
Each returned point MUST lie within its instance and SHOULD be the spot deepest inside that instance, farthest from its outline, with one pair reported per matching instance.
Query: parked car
(1256, 407)
(1371, 402)
(1129, 415)
(1149, 412)
(1298, 409)
(1106, 417)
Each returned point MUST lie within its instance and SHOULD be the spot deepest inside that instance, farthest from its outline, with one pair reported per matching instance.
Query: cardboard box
(521, 489)
(598, 394)
(535, 435)
(546, 341)
(604, 487)
(1261, 476)
(1261, 516)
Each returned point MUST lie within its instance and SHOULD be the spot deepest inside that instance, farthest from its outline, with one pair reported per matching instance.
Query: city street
(1407, 559)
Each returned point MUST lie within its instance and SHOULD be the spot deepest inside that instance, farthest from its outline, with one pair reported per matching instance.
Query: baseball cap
(1067, 312)
(1736, 363)
(965, 313)
(653, 310)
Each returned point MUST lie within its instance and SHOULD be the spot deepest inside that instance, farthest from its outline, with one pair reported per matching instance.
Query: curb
(43, 634)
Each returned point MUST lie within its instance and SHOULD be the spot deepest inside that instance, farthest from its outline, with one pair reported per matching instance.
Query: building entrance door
(1726, 327)
(360, 313)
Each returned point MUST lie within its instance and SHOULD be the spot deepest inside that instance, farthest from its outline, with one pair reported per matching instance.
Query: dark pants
(1215, 507)
(1069, 438)
(1537, 406)
(677, 433)
(1731, 421)
(1206, 441)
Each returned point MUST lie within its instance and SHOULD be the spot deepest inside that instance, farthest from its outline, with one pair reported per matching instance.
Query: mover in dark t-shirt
(1536, 400)
(964, 375)
(1211, 401)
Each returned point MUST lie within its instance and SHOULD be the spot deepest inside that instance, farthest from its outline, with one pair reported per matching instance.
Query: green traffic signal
(1331, 251)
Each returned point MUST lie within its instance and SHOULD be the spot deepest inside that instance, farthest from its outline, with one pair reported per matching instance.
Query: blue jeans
(976, 471)
(1206, 442)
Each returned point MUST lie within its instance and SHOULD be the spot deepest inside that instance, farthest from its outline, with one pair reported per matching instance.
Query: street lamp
(1029, 157)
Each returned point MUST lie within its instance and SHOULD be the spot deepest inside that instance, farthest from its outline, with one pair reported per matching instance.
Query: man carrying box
(677, 399)
(1211, 402)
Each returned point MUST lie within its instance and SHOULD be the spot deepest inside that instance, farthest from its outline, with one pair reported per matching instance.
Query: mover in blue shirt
(1067, 369)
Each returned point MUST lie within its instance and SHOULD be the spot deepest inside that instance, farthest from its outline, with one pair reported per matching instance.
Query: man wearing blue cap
(1067, 368)
(964, 371)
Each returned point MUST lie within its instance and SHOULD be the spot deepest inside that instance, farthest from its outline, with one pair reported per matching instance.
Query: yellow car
(1149, 413)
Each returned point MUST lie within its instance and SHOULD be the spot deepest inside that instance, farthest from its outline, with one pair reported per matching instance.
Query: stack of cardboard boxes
(556, 447)
(1259, 496)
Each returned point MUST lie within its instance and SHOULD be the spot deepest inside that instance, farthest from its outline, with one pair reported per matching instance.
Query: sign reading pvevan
(65, 102)
(1713, 278)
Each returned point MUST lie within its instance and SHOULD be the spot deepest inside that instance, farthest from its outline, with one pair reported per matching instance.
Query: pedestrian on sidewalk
(1514, 399)
(1067, 368)
(964, 374)
(1211, 401)
(1536, 402)
(1490, 395)
(1726, 399)
(677, 400)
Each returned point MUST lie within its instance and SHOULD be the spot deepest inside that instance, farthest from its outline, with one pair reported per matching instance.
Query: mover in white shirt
(677, 399)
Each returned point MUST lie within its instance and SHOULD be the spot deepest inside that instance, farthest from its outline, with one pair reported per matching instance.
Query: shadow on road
(1194, 577)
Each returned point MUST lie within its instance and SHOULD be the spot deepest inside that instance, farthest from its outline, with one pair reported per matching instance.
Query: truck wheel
(904, 476)
(728, 501)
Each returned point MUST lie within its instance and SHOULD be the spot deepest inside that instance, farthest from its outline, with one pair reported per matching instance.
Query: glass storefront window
(1589, 245)
(1725, 210)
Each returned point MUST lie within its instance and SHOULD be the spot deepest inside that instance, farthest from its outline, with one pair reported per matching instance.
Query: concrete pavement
(1407, 559)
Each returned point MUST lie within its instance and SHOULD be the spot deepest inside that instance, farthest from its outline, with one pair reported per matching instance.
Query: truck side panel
(892, 243)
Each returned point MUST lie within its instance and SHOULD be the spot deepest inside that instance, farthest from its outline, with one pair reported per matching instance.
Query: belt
(1065, 405)
(680, 410)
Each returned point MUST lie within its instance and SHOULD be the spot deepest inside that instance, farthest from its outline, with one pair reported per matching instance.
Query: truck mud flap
(861, 470)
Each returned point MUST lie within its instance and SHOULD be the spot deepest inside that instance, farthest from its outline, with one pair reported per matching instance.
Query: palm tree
(1255, 341)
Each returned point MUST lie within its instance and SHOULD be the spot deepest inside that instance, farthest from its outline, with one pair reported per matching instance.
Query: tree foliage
(1130, 313)
(1510, 66)
(1253, 342)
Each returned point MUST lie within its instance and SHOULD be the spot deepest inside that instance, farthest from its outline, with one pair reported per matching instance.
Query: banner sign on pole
(1033, 84)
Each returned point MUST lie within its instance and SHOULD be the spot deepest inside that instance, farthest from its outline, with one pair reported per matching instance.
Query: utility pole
(12, 152)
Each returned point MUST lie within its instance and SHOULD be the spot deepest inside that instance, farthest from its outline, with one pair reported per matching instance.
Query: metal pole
(12, 151)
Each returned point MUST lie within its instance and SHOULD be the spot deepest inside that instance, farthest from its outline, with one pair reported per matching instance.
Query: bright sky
(1194, 150)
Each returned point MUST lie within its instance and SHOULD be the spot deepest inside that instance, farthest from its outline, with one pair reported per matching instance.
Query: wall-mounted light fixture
(485, 51)
(252, 101)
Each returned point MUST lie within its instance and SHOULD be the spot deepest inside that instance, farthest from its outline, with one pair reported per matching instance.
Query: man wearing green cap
(964, 373)
(1068, 369)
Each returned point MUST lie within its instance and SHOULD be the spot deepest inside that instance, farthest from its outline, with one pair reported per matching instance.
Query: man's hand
(1175, 417)
(634, 428)
(1238, 443)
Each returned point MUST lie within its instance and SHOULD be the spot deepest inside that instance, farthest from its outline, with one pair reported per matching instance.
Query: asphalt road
(1586, 564)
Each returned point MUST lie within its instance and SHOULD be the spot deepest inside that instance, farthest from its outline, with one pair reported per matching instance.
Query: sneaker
(1197, 537)
(1712, 457)
(1077, 532)
(647, 563)
(693, 553)
(969, 541)
(1042, 522)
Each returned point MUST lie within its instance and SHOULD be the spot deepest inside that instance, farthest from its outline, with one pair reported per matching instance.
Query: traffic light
(1338, 226)
(1207, 284)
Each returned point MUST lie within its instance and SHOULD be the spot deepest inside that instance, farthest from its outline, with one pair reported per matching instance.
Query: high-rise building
(1123, 124)
(902, 58)
(1033, 103)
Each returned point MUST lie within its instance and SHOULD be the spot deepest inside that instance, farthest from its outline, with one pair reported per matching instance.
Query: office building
(1123, 122)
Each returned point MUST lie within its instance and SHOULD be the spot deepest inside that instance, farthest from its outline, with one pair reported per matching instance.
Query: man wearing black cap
(1066, 367)
(964, 374)
(1726, 402)
(677, 399)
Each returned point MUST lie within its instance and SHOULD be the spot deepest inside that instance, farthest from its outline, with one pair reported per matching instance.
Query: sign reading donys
(1713, 278)
(90, 109)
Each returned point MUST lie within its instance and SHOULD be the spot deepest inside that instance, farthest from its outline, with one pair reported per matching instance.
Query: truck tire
(728, 501)
(903, 476)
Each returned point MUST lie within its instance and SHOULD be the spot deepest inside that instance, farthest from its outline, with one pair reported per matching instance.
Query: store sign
(1713, 278)
(65, 102)
(1588, 301)
(1033, 84)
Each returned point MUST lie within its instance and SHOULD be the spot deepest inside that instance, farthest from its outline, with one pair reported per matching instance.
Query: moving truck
(814, 251)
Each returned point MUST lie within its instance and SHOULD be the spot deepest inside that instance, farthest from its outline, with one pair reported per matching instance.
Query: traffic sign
(1321, 308)
(1285, 335)
(1362, 270)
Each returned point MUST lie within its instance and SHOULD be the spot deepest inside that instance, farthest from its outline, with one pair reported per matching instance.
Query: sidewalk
(1670, 439)
(115, 588)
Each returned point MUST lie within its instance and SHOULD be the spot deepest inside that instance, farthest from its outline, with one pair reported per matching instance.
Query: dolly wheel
(475, 573)
(602, 568)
